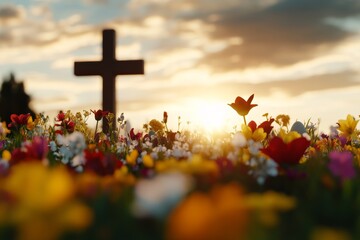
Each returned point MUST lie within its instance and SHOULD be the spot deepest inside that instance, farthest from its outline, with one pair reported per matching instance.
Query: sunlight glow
(212, 116)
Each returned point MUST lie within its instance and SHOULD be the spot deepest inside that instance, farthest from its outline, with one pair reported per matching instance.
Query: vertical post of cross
(108, 68)
(109, 58)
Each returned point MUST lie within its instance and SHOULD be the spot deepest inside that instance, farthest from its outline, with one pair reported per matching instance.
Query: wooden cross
(108, 68)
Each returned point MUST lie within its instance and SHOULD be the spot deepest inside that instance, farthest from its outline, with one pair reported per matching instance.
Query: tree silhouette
(13, 99)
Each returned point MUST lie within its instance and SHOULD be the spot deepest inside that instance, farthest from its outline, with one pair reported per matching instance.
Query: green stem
(244, 120)
(96, 127)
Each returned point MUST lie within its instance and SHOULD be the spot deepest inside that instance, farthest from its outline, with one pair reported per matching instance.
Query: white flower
(262, 167)
(239, 140)
(66, 154)
(121, 147)
(157, 196)
(254, 147)
(78, 160)
(72, 148)
(53, 146)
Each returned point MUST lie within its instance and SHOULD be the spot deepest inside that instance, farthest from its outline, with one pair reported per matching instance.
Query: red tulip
(286, 153)
(165, 117)
(266, 125)
(18, 120)
(99, 114)
(241, 106)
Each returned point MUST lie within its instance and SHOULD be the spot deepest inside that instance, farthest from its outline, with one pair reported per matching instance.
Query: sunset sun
(212, 116)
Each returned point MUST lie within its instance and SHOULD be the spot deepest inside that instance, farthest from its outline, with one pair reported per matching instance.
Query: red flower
(252, 125)
(17, 120)
(101, 164)
(99, 114)
(38, 149)
(241, 106)
(286, 153)
(66, 125)
(60, 117)
(266, 125)
(134, 136)
(70, 126)
(165, 117)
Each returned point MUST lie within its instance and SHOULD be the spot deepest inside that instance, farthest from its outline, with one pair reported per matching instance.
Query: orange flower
(220, 214)
(241, 106)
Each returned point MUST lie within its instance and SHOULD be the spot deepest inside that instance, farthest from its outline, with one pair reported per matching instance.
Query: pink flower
(341, 164)
(38, 149)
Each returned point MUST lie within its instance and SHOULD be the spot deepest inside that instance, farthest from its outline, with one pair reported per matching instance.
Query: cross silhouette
(108, 68)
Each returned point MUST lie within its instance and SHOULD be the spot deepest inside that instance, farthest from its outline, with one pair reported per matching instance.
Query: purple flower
(38, 148)
(341, 164)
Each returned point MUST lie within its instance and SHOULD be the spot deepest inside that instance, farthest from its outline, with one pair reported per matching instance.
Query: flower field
(276, 179)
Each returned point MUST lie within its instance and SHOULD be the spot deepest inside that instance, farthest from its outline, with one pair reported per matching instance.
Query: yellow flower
(75, 216)
(195, 165)
(39, 188)
(348, 125)
(45, 204)
(148, 161)
(283, 120)
(6, 155)
(288, 136)
(59, 188)
(156, 125)
(268, 204)
(356, 152)
(30, 124)
(258, 135)
(4, 130)
(244, 155)
(131, 158)
(122, 176)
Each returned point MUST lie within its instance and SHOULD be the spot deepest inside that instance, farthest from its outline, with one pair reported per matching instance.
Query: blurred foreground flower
(45, 207)
(262, 167)
(341, 165)
(156, 197)
(267, 205)
(220, 214)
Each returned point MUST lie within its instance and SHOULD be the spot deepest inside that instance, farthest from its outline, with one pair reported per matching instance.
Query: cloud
(283, 34)
(247, 35)
(95, 1)
(10, 13)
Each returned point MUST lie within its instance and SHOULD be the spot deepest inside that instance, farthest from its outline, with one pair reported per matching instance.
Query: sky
(299, 57)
